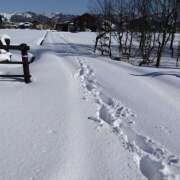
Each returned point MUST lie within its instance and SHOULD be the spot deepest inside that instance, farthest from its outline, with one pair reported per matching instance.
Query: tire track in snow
(153, 160)
(41, 40)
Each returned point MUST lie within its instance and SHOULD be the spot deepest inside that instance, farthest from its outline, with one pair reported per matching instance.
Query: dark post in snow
(24, 48)
(24, 52)
(8, 41)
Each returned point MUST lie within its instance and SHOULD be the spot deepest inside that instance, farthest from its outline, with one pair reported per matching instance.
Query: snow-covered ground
(85, 116)
(18, 36)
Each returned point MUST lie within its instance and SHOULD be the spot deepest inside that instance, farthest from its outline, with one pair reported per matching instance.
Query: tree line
(144, 28)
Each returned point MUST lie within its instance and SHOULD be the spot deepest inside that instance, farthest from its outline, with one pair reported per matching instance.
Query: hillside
(32, 16)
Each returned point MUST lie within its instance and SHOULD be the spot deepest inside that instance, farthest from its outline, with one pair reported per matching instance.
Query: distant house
(25, 25)
(86, 22)
(10, 25)
(4, 23)
(38, 26)
(66, 26)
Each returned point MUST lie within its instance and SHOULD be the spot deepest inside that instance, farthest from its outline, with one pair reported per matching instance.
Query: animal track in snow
(164, 129)
(154, 161)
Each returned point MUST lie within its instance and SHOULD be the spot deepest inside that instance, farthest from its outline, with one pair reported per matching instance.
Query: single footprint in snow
(105, 115)
(84, 98)
(173, 160)
(106, 100)
(151, 168)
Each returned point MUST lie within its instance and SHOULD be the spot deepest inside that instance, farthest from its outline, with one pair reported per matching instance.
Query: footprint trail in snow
(153, 160)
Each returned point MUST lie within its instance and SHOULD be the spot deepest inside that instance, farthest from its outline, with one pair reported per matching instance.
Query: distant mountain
(6, 16)
(31, 17)
(59, 17)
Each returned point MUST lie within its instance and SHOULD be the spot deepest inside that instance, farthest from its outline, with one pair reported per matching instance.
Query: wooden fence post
(24, 53)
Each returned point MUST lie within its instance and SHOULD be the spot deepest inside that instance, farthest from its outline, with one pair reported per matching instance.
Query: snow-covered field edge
(153, 160)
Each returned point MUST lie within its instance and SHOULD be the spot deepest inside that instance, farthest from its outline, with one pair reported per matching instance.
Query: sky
(43, 6)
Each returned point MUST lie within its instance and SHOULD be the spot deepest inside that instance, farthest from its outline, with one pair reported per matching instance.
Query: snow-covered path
(76, 120)
(148, 111)
(45, 130)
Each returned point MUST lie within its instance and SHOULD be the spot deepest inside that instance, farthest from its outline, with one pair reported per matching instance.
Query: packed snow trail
(154, 161)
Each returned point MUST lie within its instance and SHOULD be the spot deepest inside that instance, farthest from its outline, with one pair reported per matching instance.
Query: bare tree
(119, 7)
(176, 6)
(104, 36)
(146, 30)
(124, 14)
(178, 54)
(164, 12)
(152, 23)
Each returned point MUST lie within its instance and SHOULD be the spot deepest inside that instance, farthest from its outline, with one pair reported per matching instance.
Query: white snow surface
(85, 116)
(4, 55)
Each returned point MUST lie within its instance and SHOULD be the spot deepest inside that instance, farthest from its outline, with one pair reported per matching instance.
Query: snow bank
(153, 160)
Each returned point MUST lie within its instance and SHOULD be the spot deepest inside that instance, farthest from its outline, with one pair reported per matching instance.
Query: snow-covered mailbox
(5, 57)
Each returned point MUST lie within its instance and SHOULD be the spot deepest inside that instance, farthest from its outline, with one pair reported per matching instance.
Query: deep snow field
(86, 117)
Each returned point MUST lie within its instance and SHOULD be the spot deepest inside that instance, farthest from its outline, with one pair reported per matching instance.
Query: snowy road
(87, 117)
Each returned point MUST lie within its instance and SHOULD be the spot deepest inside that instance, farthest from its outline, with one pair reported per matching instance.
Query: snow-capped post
(5, 40)
(24, 48)
(24, 53)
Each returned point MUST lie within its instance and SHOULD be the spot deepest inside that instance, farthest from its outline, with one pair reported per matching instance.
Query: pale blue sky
(65, 6)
